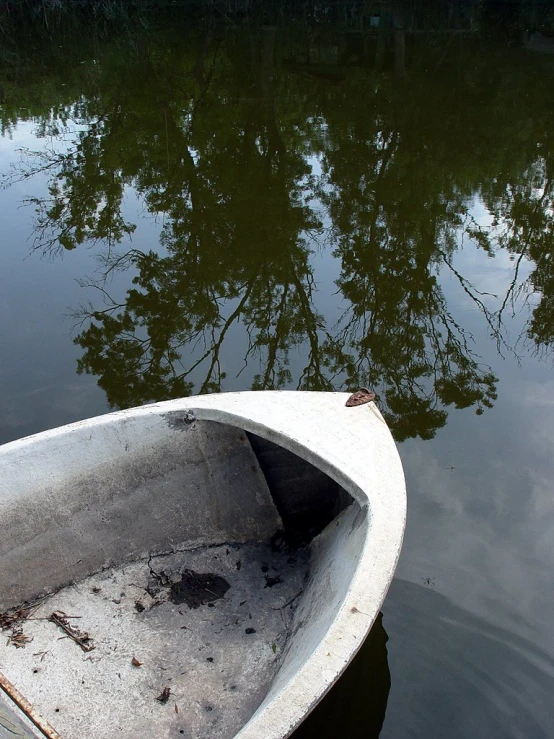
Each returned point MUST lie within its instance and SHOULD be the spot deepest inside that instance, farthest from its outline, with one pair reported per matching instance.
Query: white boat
(202, 567)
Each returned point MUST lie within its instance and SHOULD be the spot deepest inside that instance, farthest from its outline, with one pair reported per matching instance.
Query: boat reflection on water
(355, 707)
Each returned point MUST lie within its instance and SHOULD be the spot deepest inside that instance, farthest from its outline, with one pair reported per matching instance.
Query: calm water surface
(194, 206)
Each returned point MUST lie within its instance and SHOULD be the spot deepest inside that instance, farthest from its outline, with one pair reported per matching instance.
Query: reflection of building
(356, 706)
(366, 35)
(538, 42)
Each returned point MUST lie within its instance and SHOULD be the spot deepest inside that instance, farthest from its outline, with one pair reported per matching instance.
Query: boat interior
(163, 577)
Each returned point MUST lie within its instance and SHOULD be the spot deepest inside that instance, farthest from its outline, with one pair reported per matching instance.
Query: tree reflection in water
(259, 148)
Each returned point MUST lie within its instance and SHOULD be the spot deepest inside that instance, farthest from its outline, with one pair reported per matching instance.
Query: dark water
(315, 199)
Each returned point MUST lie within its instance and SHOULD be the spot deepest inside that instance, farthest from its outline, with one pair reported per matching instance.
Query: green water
(213, 201)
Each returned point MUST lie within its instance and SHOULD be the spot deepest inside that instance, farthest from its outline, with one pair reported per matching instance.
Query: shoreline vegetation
(24, 24)
(409, 15)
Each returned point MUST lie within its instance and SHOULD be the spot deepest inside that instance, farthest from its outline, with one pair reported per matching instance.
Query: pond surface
(214, 203)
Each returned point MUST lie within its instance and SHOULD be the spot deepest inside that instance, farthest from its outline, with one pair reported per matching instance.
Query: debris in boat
(271, 581)
(153, 588)
(17, 638)
(215, 666)
(12, 619)
(13, 616)
(158, 581)
(357, 610)
(81, 638)
(196, 589)
(164, 695)
(363, 395)
(289, 602)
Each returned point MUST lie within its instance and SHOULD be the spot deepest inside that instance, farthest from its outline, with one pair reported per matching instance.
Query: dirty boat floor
(207, 626)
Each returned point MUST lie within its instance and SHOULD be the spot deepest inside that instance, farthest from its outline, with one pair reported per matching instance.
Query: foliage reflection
(259, 149)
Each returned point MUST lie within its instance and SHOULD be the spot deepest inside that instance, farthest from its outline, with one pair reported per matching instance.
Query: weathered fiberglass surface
(342, 196)
(150, 635)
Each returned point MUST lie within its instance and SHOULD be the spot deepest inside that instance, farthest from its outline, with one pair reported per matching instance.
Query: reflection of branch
(47, 244)
(108, 300)
(318, 380)
(511, 290)
(214, 350)
(114, 262)
(21, 175)
(49, 158)
(471, 291)
(86, 311)
(273, 342)
(510, 293)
